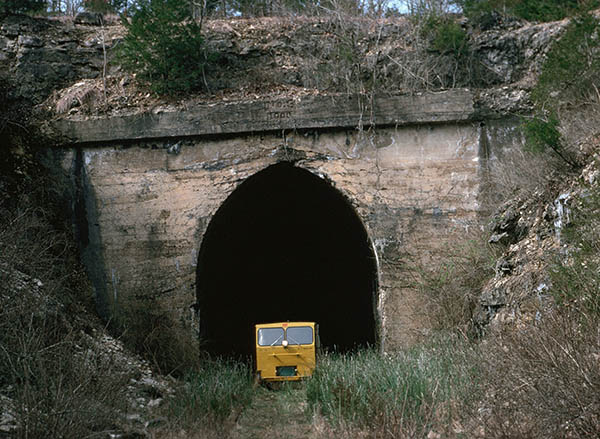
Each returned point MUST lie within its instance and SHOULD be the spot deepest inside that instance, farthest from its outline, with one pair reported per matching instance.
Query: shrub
(544, 379)
(58, 382)
(572, 68)
(453, 285)
(60, 385)
(566, 86)
(337, 62)
(542, 133)
(447, 36)
(164, 47)
(16, 139)
(21, 6)
(150, 331)
(576, 277)
(516, 173)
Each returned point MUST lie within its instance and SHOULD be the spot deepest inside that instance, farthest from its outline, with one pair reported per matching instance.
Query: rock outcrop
(43, 55)
(274, 57)
(532, 228)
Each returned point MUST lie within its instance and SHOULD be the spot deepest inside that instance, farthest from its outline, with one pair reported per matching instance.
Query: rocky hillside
(61, 373)
(537, 230)
(276, 57)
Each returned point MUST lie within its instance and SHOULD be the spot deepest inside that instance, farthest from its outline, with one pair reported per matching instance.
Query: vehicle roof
(280, 324)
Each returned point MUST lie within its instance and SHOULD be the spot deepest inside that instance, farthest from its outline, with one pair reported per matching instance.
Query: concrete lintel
(308, 112)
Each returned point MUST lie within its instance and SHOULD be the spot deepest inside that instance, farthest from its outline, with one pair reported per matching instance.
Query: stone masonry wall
(150, 202)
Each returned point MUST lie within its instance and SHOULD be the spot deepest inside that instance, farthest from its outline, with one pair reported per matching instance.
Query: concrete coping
(308, 112)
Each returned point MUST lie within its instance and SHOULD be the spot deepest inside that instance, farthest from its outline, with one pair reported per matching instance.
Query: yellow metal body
(284, 351)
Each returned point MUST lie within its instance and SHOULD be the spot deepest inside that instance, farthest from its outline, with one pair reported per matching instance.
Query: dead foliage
(85, 94)
(453, 282)
(544, 380)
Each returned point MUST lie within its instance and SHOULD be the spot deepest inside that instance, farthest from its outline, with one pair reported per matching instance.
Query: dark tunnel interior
(286, 246)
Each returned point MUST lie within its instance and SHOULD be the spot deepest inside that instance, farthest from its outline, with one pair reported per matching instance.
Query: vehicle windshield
(300, 335)
(270, 336)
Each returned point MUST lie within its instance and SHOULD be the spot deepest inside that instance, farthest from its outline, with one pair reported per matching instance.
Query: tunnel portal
(286, 245)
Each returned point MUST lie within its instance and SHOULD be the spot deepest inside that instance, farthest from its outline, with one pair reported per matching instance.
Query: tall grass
(211, 398)
(403, 393)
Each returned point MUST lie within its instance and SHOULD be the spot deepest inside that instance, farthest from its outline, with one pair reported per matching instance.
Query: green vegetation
(572, 68)
(212, 394)
(21, 6)
(447, 37)
(164, 47)
(542, 134)
(533, 10)
(565, 86)
(400, 392)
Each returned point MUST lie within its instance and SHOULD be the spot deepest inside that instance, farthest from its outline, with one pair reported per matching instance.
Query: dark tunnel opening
(286, 246)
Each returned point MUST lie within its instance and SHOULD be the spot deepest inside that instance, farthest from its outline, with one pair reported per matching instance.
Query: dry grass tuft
(84, 94)
(518, 173)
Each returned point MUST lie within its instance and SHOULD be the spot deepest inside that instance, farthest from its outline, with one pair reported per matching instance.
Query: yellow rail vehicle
(286, 351)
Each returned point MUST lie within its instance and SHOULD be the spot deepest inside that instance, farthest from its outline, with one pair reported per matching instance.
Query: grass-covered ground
(366, 393)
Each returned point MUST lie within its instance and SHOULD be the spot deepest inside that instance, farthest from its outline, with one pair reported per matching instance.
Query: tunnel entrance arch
(286, 245)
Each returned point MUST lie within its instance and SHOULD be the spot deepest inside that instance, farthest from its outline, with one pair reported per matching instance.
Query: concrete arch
(286, 245)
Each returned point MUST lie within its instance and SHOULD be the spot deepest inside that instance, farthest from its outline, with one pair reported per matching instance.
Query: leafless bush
(544, 380)
(338, 64)
(516, 173)
(578, 125)
(60, 386)
(366, 55)
(453, 283)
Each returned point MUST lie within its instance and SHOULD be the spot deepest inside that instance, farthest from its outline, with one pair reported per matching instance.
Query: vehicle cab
(286, 351)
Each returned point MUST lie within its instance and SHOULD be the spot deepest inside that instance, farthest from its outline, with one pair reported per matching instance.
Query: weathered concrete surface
(308, 112)
(149, 204)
